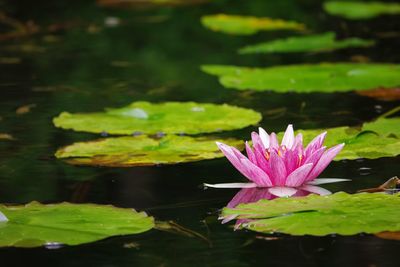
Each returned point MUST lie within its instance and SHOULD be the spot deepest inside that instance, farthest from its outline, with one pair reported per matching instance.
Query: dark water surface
(154, 54)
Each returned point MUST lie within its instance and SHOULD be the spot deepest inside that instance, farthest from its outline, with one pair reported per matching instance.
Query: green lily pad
(374, 140)
(311, 43)
(340, 213)
(168, 117)
(361, 10)
(142, 150)
(339, 77)
(247, 25)
(35, 224)
(384, 126)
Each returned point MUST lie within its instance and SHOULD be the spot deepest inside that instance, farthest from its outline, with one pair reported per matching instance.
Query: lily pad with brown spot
(143, 150)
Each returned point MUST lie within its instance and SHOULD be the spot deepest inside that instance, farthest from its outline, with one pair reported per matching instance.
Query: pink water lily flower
(284, 168)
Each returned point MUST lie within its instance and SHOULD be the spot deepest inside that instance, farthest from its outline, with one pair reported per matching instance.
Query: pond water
(85, 57)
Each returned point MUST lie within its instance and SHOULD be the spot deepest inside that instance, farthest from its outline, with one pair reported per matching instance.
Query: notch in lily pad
(166, 118)
(56, 225)
(142, 150)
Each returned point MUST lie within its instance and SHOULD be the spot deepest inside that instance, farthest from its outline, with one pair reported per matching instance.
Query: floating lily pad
(311, 43)
(374, 140)
(168, 117)
(247, 25)
(340, 213)
(361, 10)
(142, 150)
(325, 78)
(384, 126)
(35, 224)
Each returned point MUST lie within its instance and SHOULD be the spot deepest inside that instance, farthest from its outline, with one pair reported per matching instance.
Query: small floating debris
(3, 218)
(137, 133)
(197, 109)
(391, 186)
(112, 22)
(137, 113)
(53, 245)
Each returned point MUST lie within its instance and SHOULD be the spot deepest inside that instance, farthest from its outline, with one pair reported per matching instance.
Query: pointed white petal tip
(264, 137)
(3, 217)
(327, 181)
(225, 219)
(282, 191)
(231, 185)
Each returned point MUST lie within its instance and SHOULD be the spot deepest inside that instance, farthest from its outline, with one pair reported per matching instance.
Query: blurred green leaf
(247, 25)
(311, 43)
(327, 77)
(361, 10)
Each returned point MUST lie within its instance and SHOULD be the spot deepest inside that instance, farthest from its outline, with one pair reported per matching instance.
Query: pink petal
(327, 181)
(257, 141)
(277, 169)
(315, 156)
(298, 141)
(324, 161)
(298, 176)
(288, 137)
(256, 174)
(316, 190)
(315, 144)
(233, 158)
(249, 195)
(273, 141)
(262, 162)
(281, 191)
(231, 185)
(250, 153)
(264, 137)
(291, 160)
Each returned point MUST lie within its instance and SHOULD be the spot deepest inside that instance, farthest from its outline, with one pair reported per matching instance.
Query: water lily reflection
(283, 169)
(250, 195)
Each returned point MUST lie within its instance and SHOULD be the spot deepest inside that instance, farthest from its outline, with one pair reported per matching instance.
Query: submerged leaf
(143, 150)
(35, 224)
(168, 117)
(311, 43)
(247, 25)
(340, 213)
(361, 10)
(339, 77)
